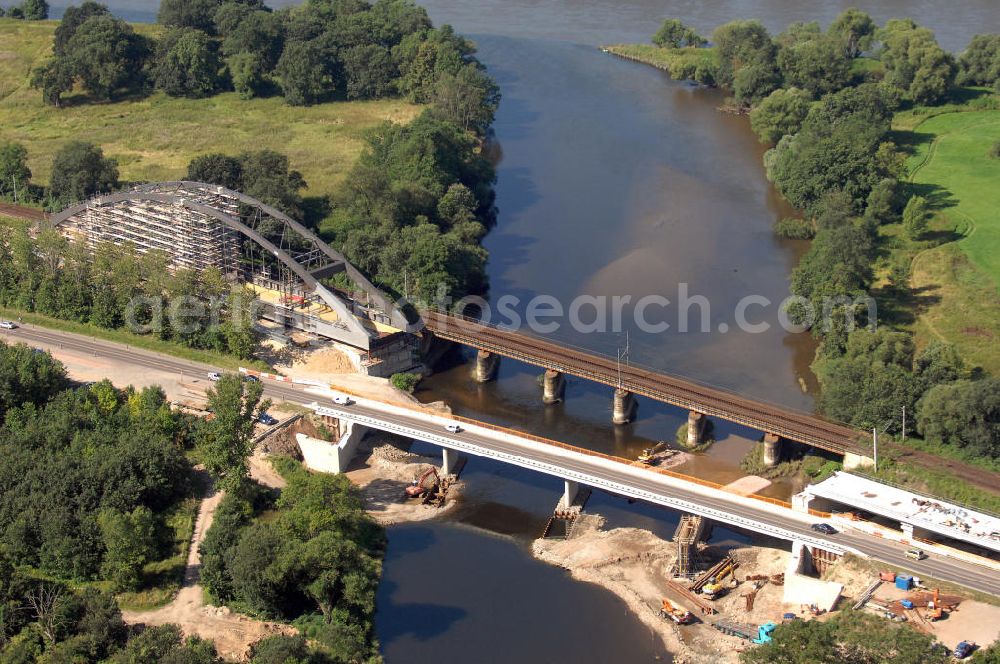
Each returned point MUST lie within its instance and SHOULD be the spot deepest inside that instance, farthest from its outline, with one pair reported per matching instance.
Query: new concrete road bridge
(569, 464)
(700, 400)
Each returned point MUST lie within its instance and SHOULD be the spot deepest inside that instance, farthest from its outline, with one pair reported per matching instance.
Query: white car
(214, 375)
(342, 400)
(8, 325)
(453, 428)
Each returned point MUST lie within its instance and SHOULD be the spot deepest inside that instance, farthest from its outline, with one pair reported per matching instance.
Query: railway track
(677, 391)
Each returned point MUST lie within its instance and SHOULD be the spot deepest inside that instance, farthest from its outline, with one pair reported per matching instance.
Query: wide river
(613, 181)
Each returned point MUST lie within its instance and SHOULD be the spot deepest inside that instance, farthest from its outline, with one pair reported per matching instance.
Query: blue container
(907, 604)
(904, 581)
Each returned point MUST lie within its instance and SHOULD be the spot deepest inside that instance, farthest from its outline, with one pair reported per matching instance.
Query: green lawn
(953, 165)
(155, 138)
(955, 284)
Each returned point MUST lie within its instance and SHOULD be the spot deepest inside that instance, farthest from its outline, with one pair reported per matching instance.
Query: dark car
(251, 379)
(267, 419)
(824, 528)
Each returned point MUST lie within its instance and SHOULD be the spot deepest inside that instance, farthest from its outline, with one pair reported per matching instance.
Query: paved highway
(653, 488)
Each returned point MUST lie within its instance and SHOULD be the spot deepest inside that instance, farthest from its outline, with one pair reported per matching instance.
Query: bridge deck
(680, 392)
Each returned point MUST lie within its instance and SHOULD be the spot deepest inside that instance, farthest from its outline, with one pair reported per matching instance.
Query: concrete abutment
(772, 450)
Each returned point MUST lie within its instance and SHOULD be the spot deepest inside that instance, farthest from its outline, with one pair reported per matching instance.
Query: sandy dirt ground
(383, 469)
(232, 633)
(747, 486)
(970, 621)
(635, 565)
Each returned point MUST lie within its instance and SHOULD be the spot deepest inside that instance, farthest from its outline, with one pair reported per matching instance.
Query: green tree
(916, 216)
(979, 64)
(914, 62)
(107, 56)
(741, 44)
(260, 33)
(35, 10)
(187, 64)
(469, 98)
(80, 170)
(369, 71)
(249, 72)
(938, 363)
(128, 542)
(816, 65)
(54, 79)
(964, 413)
(855, 30)
(15, 176)
(226, 440)
(305, 72)
(28, 377)
(218, 169)
(196, 14)
(282, 649)
(674, 34)
(883, 204)
(781, 113)
(71, 21)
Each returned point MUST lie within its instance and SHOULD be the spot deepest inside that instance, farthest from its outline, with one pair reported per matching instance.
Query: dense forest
(825, 100)
(311, 53)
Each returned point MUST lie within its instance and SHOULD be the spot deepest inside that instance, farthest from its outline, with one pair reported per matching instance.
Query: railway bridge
(699, 400)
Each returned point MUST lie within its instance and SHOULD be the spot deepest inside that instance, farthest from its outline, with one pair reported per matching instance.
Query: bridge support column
(448, 460)
(772, 450)
(696, 427)
(570, 490)
(624, 407)
(553, 387)
(486, 366)
(907, 529)
(854, 461)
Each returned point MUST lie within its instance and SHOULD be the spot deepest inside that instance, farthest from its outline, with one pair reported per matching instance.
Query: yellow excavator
(714, 588)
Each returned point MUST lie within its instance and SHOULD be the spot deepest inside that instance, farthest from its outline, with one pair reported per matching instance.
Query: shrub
(407, 382)
(995, 151)
(794, 229)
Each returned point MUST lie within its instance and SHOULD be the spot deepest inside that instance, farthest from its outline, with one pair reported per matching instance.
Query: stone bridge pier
(553, 387)
(486, 366)
(624, 408)
(772, 450)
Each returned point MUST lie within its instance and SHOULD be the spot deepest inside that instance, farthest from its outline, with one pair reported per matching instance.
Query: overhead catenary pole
(904, 425)
(875, 446)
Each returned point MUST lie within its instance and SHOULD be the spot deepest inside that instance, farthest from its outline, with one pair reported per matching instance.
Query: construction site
(712, 602)
(307, 294)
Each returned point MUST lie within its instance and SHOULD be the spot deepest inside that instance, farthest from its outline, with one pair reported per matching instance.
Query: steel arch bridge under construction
(201, 226)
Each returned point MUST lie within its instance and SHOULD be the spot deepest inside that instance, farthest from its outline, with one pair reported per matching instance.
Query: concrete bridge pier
(624, 407)
(696, 428)
(553, 387)
(449, 459)
(486, 366)
(570, 491)
(772, 450)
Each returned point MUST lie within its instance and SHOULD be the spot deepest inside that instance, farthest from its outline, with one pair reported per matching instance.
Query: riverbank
(635, 565)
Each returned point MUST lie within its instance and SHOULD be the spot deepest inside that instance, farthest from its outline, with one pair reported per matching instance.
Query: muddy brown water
(613, 180)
